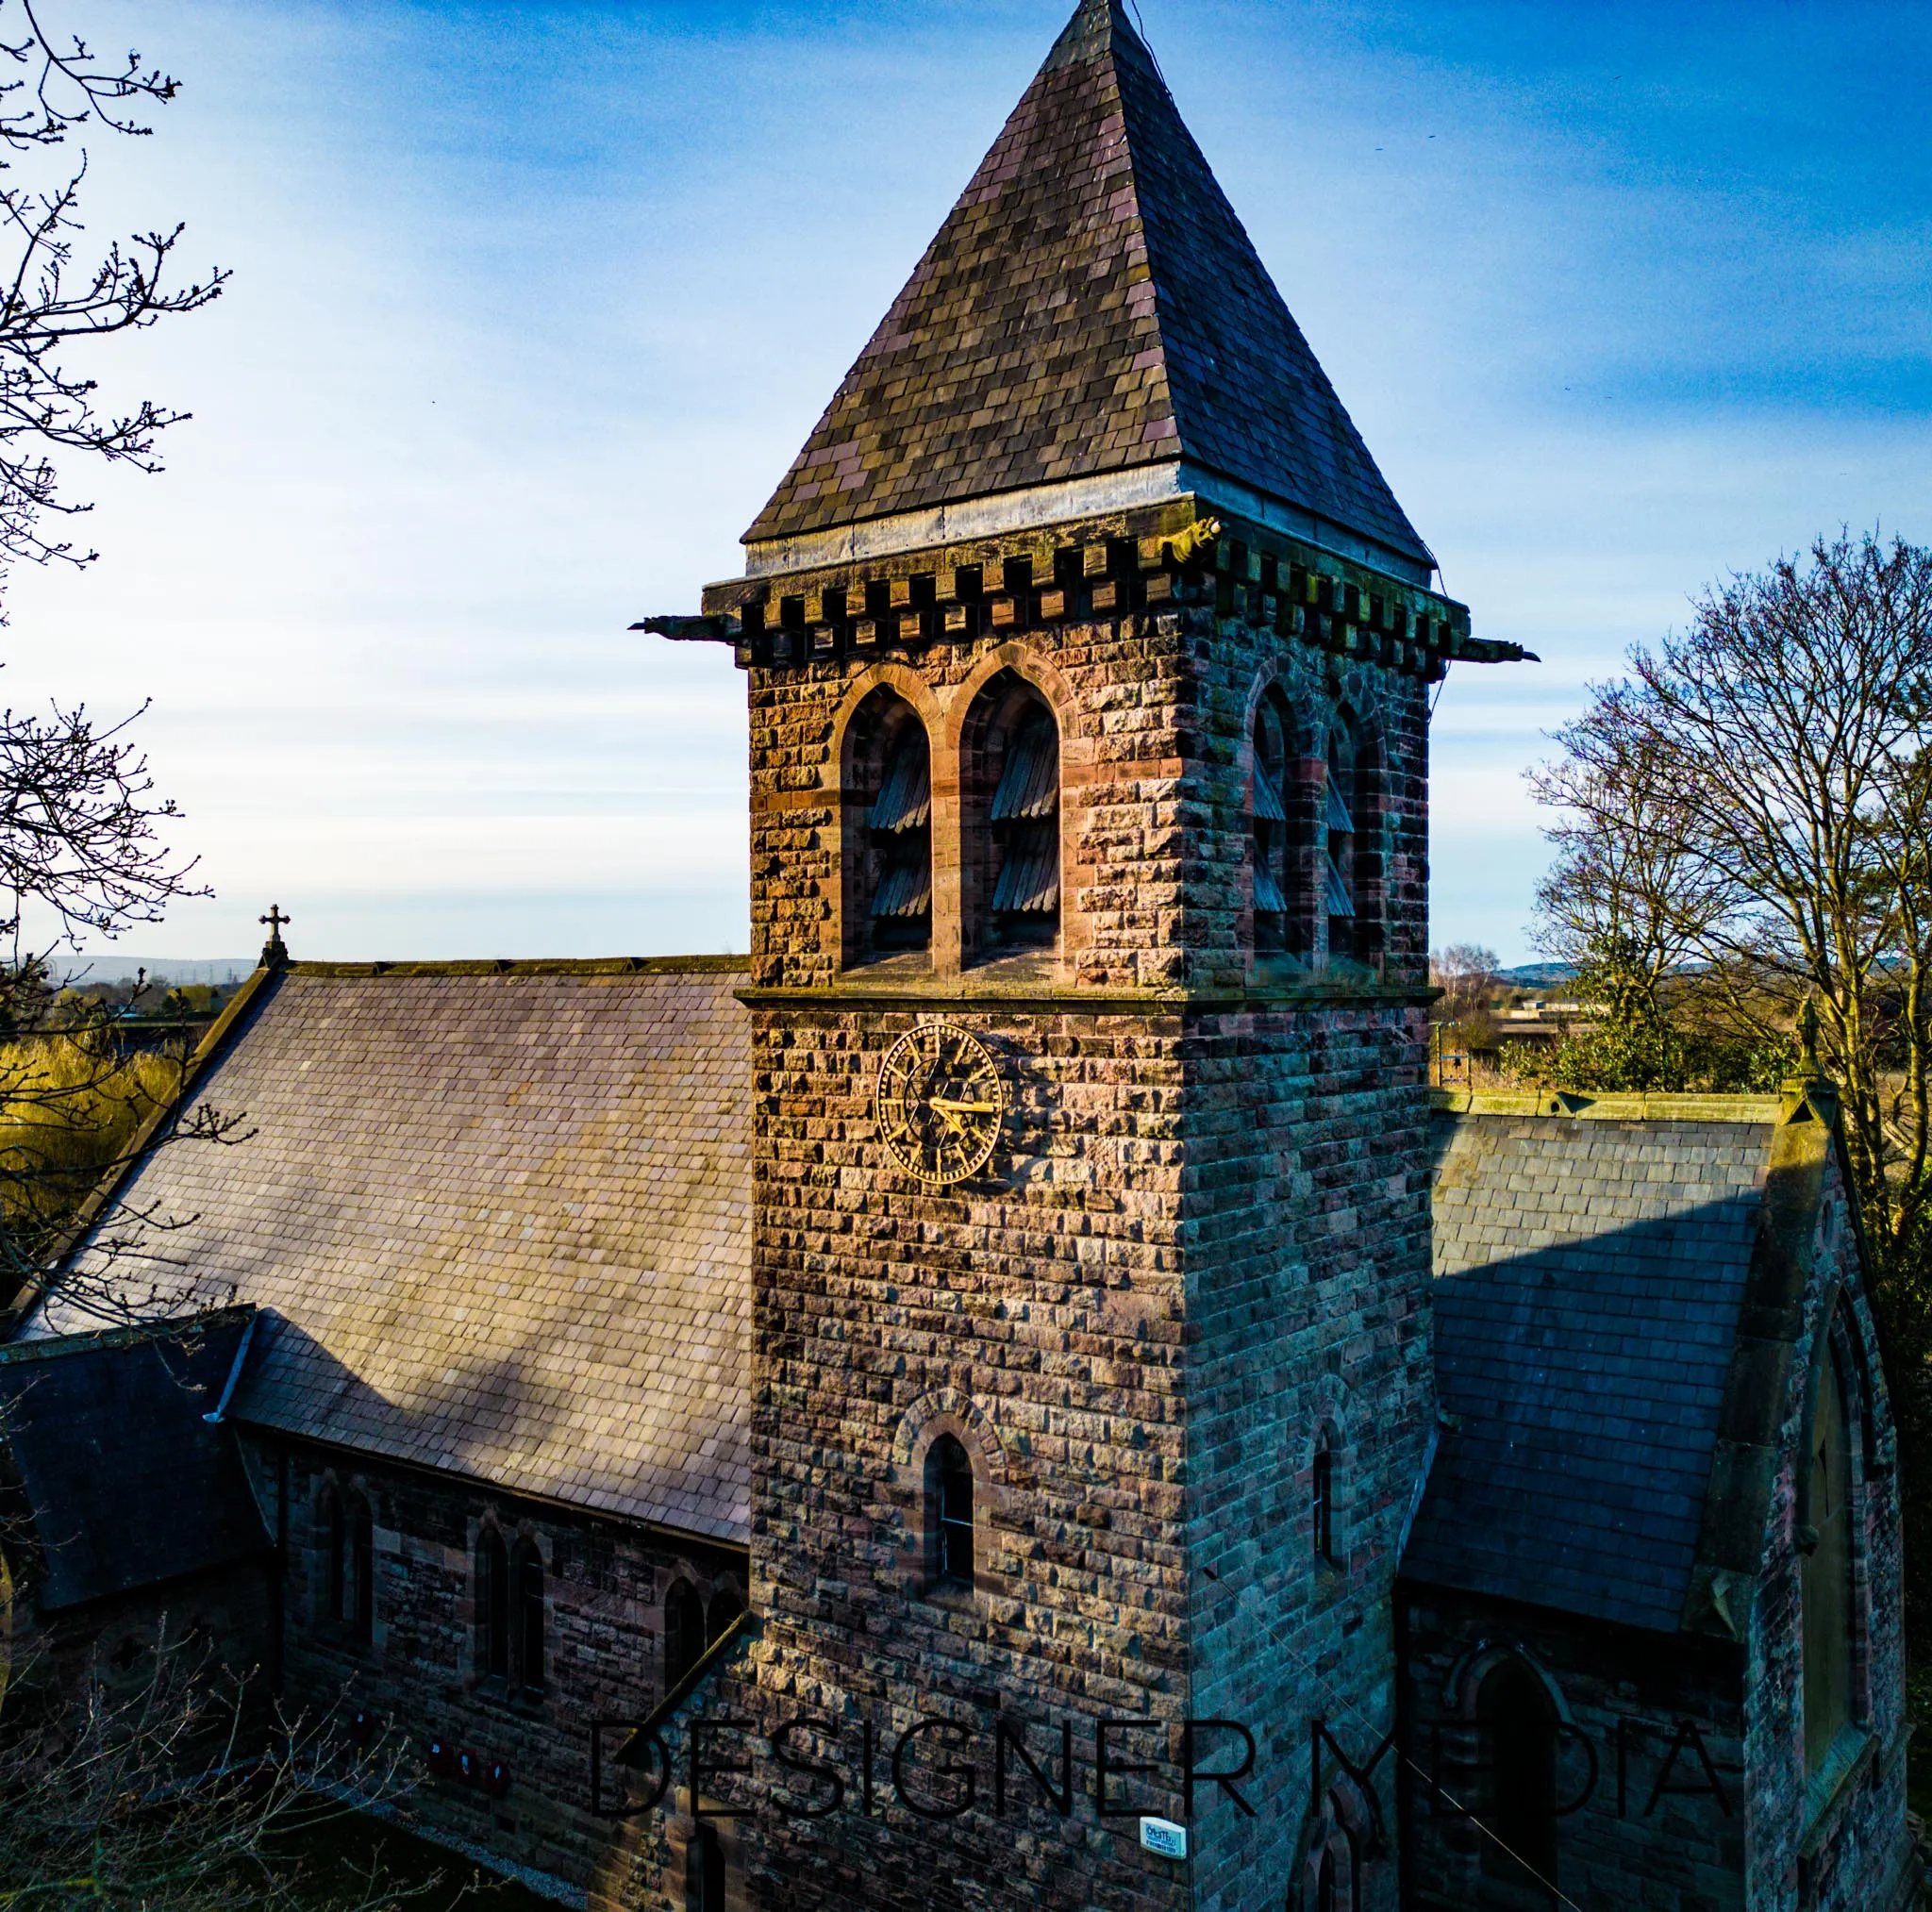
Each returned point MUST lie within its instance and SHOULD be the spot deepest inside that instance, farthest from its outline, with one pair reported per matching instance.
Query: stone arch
(885, 837)
(1832, 1572)
(1353, 858)
(1011, 818)
(684, 1628)
(1326, 1463)
(945, 1417)
(1341, 1835)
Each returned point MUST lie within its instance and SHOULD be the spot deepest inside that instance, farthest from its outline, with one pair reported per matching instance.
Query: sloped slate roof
(498, 1224)
(125, 1484)
(1588, 1279)
(1090, 305)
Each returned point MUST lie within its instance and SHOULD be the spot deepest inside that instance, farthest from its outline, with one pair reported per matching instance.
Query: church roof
(1589, 1278)
(125, 1484)
(497, 1219)
(1091, 305)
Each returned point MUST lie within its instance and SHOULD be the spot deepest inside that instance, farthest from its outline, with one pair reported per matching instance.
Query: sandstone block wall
(605, 1586)
(1202, 1239)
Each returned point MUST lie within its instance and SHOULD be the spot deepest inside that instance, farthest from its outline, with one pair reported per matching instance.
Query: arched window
(888, 832)
(526, 1615)
(1274, 857)
(725, 1606)
(1518, 1725)
(1325, 1881)
(1010, 814)
(1339, 871)
(1322, 1501)
(335, 1555)
(684, 1632)
(359, 1595)
(1826, 1573)
(704, 1860)
(493, 1604)
(949, 1512)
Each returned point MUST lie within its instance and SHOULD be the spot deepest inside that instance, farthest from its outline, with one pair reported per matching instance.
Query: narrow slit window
(704, 1862)
(949, 1508)
(1825, 1574)
(493, 1603)
(358, 1607)
(1323, 1504)
(528, 1616)
(725, 1606)
(335, 1556)
(684, 1632)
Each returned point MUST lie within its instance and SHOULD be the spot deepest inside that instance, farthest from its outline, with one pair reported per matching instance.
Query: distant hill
(121, 969)
(1538, 976)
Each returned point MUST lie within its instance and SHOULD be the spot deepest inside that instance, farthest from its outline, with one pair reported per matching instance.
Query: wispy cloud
(533, 303)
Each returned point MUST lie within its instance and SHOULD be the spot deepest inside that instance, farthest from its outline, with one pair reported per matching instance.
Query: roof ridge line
(528, 966)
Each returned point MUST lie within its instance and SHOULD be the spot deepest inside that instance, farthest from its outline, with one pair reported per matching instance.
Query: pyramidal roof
(1091, 306)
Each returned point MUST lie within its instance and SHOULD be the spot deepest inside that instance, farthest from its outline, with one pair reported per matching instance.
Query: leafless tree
(172, 1785)
(1748, 811)
(82, 849)
(1468, 975)
(1753, 802)
(52, 300)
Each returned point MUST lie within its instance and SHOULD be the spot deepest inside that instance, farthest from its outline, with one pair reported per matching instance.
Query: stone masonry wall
(605, 1586)
(1832, 1845)
(1155, 713)
(1201, 1238)
(1639, 1825)
(1306, 1248)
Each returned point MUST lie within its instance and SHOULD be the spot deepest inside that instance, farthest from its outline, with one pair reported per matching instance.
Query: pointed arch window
(1338, 869)
(1826, 1576)
(335, 1545)
(684, 1632)
(527, 1657)
(725, 1606)
(1025, 819)
(900, 824)
(949, 1512)
(493, 1604)
(1518, 1721)
(1322, 1502)
(1273, 844)
(705, 1869)
(359, 1595)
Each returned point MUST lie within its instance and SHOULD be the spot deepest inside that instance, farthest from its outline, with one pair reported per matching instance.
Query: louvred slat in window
(904, 890)
(904, 801)
(1340, 902)
(1030, 778)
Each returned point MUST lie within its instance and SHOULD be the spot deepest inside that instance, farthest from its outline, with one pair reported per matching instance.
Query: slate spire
(1091, 305)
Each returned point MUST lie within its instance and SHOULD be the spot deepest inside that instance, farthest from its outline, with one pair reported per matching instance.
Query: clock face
(940, 1100)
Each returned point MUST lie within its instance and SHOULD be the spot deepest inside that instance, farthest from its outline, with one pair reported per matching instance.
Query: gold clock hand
(944, 1102)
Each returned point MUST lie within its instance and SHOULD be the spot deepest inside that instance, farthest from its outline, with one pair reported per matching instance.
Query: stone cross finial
(275, 952)
(1807, 1037)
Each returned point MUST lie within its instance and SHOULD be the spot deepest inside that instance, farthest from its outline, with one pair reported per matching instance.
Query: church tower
(1088, 656)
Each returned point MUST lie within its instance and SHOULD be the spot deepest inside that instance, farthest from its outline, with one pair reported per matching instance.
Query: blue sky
(533, 303)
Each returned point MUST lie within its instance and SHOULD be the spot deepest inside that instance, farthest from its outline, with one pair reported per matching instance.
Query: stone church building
(1018, 1393)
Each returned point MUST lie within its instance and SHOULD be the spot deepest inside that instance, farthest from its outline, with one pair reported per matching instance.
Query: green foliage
(1638, 1040)
(69, 1108)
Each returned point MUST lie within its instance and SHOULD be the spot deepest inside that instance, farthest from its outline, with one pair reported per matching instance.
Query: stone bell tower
(1088, 656)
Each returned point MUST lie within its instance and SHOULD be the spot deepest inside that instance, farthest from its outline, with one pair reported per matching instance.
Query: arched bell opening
(886, 846)
(1010, 807)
